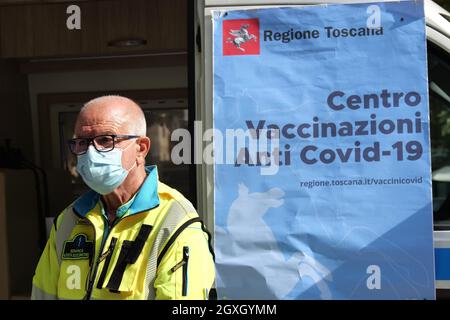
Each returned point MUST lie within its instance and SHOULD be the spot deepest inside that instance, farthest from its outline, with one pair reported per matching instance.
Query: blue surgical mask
(102, 171)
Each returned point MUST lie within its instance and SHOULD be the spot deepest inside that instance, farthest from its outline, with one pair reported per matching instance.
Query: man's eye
(103, 140)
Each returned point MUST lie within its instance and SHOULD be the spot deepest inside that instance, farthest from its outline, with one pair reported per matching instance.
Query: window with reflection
(439, 91)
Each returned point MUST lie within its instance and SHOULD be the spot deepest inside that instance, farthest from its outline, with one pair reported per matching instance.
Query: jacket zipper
(107, 255)
(108, 252)
(185, 270)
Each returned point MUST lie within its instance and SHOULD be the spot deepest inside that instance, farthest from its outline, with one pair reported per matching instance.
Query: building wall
(15, 115)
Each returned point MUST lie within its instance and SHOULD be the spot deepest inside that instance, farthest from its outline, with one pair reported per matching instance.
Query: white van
(438, 44)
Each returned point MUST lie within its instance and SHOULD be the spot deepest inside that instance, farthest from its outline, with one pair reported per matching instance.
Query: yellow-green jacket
(156, 249)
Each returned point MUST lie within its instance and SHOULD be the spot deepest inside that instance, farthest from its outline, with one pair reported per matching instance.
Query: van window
(439, 91)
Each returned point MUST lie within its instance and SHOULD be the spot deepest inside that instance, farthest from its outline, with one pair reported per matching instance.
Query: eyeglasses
(102, 143)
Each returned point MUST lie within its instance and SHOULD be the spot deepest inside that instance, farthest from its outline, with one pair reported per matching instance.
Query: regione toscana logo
(240, 37)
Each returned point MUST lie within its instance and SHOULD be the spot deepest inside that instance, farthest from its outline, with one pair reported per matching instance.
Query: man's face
(100, 120)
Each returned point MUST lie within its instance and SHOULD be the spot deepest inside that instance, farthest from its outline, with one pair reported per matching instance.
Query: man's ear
(144, 148)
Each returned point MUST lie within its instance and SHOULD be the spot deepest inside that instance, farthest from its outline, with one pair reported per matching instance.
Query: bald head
(117, 114)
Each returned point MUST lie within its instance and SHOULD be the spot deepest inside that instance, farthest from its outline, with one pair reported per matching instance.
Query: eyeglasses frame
(91, 141)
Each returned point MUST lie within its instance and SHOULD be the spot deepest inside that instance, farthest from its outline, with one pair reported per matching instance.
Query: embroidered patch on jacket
(77, 249)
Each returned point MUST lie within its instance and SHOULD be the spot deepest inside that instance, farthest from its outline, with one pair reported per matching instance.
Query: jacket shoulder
(60, 217)
(176, 200)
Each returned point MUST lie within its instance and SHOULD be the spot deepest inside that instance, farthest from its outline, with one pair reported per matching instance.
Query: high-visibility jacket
(156, 249)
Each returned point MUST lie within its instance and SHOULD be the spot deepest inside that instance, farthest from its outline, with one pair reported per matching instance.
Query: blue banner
(329, 194)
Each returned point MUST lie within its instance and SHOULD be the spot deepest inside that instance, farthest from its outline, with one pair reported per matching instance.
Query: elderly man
(131, 236)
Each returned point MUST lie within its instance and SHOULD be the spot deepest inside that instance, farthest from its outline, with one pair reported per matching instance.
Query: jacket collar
(145, 199)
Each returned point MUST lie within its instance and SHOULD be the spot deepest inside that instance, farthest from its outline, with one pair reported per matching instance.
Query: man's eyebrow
(106, 133)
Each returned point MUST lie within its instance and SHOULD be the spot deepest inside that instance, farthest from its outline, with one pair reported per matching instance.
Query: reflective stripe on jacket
(158, 249)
